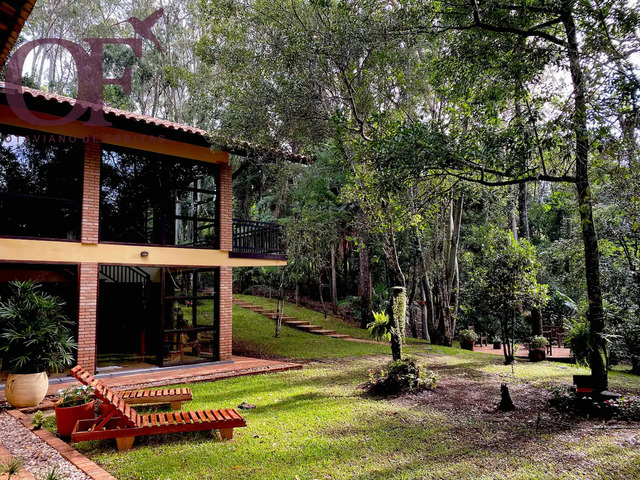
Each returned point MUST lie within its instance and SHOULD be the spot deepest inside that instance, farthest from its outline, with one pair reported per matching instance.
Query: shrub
(75, 396)
(36, 334)
(468, 336)
(626, 408)
(538, 342)
(401, 375)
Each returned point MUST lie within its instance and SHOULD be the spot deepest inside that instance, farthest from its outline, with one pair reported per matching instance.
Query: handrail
(252, 238)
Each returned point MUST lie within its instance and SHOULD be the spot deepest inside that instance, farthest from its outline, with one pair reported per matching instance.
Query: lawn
(315, 424)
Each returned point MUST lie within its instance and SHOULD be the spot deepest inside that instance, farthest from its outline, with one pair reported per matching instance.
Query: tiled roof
(13, 14)
(223, 143)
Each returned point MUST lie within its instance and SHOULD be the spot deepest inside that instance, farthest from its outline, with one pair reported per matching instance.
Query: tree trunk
(397, 311)
(412, 312)
(334, 284)
(595, 313)
(365, 285)
(426, 309)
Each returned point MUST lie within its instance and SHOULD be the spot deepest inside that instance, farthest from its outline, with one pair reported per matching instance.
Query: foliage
(36, 333)
(400, 376)
(38, 420)
(505, 279)
(53, 474)
(468, 336)
(11, 467)
(538, 342)
(380, 328)
(624, 408)
(578, 340)
(75, 396)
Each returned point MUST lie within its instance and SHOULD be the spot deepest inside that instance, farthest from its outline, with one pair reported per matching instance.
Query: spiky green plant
(11, 467)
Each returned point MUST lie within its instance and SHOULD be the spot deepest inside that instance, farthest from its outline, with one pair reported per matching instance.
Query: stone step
(339, 335)
(323, 332)
(274, 315)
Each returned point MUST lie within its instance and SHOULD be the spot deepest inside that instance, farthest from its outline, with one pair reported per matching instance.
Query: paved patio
(559, 354)
(152, 376)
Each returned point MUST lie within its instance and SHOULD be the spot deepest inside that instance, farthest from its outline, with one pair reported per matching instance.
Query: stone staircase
(292, 322)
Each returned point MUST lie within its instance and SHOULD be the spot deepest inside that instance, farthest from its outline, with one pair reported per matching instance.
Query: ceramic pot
(26, 389)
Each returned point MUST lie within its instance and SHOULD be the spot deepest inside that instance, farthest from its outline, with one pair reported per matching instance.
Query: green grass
(315, 424)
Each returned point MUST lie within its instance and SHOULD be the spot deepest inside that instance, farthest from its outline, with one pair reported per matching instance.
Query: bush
(538, 342)
(401, 375)
(578, 340)
(468, 336)
(625, 408)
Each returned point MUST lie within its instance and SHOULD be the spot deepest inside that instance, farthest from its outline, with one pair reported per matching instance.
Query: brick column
(226, 201)
(91, 193)
(226, 315)
(88, 272)
(87, 315)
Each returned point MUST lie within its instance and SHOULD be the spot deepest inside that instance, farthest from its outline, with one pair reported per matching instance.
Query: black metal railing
(253, 239)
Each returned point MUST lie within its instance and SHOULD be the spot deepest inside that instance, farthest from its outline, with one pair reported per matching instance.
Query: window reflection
(152, 199)
(40, 184)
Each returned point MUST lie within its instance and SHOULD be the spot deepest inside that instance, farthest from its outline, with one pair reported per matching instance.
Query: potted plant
(467, 339)
(537, 348)
(497, 343)
(36, 339)
(76, 403)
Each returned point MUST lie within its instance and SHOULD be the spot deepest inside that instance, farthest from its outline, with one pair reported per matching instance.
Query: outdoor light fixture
(144, 253)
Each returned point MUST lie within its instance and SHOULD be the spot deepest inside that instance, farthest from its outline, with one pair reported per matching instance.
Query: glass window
(40, 184)
(190, 325)
(153, 199)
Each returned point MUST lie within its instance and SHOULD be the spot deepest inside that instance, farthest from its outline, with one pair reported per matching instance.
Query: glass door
(190, 314)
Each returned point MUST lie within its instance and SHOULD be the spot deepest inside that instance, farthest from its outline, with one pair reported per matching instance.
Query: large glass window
(190, 316)
(40, 184)
(153, 199)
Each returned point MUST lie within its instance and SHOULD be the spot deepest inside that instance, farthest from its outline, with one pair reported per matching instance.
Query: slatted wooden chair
(174, 396)
(123, 423)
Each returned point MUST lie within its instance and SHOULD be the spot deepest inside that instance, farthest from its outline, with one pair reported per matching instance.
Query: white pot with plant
(36, 338)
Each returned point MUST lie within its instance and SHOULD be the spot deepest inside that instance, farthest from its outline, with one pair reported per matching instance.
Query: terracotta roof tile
(233, 146)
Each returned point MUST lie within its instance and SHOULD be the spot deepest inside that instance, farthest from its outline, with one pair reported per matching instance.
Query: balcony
(252, 239)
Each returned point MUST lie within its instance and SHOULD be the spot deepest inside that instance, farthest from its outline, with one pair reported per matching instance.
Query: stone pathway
(38, 456)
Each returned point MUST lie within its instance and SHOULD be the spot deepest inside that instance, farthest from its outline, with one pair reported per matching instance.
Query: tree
(505, 278)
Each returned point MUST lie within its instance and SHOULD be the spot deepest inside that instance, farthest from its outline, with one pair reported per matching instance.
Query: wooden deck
(157, 377)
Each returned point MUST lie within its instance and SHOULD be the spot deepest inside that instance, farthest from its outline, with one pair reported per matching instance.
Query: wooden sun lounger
(174, 396)
(123, 423)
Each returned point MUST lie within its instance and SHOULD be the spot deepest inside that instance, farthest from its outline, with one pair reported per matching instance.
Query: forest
(459, 163)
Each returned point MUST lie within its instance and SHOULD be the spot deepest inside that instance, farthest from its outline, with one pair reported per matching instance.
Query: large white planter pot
(26, 390)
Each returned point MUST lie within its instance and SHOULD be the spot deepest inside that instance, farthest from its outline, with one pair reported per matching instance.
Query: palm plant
(35, 332)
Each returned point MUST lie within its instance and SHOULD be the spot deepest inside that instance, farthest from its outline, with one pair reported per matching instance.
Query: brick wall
(225, 207)
(91, 193)
(226, 301)
(87, 314)
(88, 272)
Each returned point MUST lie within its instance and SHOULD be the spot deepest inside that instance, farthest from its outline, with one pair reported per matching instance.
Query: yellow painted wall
(49, 251)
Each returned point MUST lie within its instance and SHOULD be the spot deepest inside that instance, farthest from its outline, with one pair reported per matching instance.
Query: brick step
(339, 335)
(295, 323)
(323, 332)
(273, 316)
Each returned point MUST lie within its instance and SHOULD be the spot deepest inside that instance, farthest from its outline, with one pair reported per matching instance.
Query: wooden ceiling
(13, 14)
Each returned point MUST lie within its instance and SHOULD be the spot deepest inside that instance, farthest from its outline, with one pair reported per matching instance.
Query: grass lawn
(315, 424)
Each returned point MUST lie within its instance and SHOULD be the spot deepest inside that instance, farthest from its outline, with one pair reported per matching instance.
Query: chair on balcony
(123, 423)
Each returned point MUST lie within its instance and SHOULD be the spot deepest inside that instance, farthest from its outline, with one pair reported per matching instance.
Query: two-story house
(131, 225)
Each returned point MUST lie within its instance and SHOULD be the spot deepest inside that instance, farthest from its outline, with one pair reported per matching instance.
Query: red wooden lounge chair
(121, 422)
